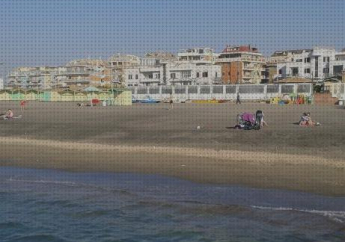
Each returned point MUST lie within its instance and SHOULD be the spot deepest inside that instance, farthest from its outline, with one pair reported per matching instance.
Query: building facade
(241, 65)
(315, 64)
(173, 73)
(195, 55)
(76, 74)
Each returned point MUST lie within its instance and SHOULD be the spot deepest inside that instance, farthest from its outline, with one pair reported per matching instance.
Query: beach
(151, 139)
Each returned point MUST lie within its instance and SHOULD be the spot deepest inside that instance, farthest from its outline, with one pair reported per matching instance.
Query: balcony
(147, 80)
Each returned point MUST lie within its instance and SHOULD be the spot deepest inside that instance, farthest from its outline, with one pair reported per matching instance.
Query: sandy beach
(152, 139)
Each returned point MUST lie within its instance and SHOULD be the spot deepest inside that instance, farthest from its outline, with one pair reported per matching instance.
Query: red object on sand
(22, 103)
(95, 101)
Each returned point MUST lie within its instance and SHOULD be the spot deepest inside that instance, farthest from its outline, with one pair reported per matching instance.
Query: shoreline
(295, 172)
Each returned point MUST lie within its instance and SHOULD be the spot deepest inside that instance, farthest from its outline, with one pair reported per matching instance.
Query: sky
(42, 32)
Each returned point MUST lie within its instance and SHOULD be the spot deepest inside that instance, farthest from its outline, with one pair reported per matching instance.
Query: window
(151, 76)
(173, 75)
(130, 77)
(197, 74)
(294, 71)
(186, 74)
(307, 70)
(299, 60)
(216, 74)
(307, 60)
(326, 70)
(337, 70)
(280, 71)
(205, 74)
(136, 76)
(325, 59)
(316, 66)
(157, 76)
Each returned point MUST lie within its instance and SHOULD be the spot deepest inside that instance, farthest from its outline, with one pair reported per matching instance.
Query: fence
(221, 92)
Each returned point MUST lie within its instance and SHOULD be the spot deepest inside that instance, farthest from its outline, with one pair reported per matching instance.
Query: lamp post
(3, 73)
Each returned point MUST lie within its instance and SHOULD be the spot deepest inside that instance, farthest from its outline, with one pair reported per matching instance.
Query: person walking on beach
(238, 99)
(22, 105)
(171, 102)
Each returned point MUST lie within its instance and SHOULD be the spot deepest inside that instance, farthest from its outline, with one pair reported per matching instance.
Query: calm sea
(48, 205)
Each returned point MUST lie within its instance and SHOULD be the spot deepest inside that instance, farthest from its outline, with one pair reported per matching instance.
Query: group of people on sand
(248, 121)
(307, 121)
(256, 121)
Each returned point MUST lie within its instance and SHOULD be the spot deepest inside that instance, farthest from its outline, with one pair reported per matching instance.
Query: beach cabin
(66, 96)
(122, 96)
(5, 95)
(17, 95)
(45, 96)
(80, 96)
(31, 95)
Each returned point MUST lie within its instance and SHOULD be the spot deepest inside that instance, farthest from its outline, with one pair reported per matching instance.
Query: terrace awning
(91, 89)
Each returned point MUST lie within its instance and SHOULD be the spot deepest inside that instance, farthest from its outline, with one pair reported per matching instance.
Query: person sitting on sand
(7, 115)
(304, 120)
(307, 121)
(310, 122)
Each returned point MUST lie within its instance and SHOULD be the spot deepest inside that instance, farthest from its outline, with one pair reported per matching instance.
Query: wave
(42, 181)
(337, 216)
(39, 238)
(109, 190)
(11, 225)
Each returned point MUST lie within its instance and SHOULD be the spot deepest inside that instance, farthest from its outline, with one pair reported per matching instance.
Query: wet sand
(149, 138)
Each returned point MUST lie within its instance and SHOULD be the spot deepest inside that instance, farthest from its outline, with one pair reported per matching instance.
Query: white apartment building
(316, 64)
(197, 55)
(337, 66)
(123, 61)
(173, 73)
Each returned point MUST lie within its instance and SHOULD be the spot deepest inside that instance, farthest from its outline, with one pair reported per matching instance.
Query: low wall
(222, 92)
(338, 90)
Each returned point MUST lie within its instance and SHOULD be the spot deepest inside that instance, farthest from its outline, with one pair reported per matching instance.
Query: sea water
(49, 205)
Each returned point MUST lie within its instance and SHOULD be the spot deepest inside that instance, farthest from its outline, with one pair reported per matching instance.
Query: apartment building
(203, 55)
(76, 74)
(315, 64)
(241, 65)
(30, 77)
(173, 73)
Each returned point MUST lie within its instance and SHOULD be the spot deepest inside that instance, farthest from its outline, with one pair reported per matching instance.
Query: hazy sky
(50, 32)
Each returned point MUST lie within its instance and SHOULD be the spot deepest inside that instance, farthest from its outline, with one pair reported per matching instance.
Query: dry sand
(151, 139)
